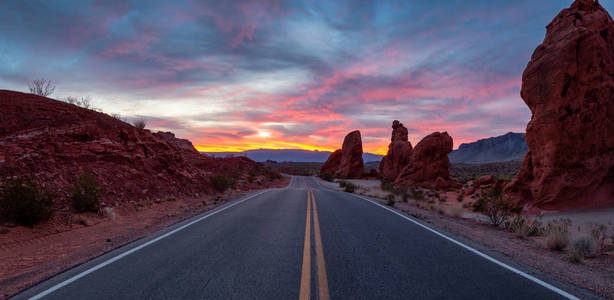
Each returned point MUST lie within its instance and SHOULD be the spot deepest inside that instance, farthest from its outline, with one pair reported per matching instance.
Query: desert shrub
(493, 205)
(25, 202)
(598, 231)
(221, 182)
(405, 197)
(387, 185)
(583, 246)
(349, 187)
(85, 193)
(525, 227)
(342, 184)
(416, 194)
(41, 87)
(390, 200)
(140, 124)
(557, 234)
(326, 177)
(460, 197)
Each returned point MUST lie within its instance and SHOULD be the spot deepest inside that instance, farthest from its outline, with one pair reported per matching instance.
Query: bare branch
(41, 87)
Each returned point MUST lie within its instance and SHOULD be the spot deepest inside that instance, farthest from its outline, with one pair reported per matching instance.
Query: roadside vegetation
(25, 202)
(85, 193)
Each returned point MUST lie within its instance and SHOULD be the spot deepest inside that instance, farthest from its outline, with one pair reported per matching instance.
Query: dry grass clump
(455, 211)
(557, 234)
(583, 246)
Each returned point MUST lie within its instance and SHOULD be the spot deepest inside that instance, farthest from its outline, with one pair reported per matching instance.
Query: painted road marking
(306, 271)
(135, 249)
(322, 281)
(474, 251)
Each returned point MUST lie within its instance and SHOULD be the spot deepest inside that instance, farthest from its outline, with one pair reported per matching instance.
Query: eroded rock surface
(569, 87)
(399, 153)
(429, 165)
(346, 162)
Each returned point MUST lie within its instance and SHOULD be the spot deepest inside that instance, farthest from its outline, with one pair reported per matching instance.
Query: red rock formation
(569, 87)
(429, 164)
(57, 141)
(399, 153)
(347, 162)
(332, 164)
(181, 143)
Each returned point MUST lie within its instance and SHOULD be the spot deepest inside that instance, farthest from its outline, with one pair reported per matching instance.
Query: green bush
(25, 202)
(460, 197)
(221, 182)
(85, 193)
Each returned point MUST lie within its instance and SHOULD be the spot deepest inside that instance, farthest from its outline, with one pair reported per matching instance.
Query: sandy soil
(29, 255)
(596, 274)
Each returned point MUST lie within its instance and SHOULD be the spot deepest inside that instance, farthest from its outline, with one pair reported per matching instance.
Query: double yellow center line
(321, 266)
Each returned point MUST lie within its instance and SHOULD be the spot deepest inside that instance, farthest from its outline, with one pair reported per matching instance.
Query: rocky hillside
(55, 142)
(508, 147)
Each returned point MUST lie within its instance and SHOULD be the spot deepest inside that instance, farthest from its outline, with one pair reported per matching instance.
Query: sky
(238, 75)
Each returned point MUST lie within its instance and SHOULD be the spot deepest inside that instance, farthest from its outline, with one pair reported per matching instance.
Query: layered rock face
(399, 153)
(56, 141)
(347, 162)
(429, 165)
(183, 144)
(569, 87)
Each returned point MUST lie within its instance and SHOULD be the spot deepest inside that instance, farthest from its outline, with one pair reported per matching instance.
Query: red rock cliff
(569, 87)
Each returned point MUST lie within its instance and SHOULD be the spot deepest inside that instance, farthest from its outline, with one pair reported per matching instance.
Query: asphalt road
(256, 248)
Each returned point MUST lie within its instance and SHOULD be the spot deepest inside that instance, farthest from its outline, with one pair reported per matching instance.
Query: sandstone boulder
(429, 164)
(347, 162)
(569, 87)
(399, 153)
(330, 167)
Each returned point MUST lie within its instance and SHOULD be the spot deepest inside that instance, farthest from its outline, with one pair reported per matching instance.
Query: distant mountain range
(294, 155)
(508, 147)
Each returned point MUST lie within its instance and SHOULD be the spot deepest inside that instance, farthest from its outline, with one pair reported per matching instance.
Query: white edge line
(135, 249)
(474, 251)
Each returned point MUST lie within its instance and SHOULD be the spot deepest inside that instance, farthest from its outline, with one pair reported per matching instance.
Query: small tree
(85, 193)
(493, 205)
(25, 202)
(41, 87)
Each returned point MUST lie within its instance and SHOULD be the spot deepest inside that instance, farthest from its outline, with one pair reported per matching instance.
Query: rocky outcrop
(330, 167)
(429, 165)
(55, 142)
(183, 144)
(347, 162)
(569, 87)
(399, 153)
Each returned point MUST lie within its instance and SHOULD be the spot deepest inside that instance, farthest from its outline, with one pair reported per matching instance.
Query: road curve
(300, 242)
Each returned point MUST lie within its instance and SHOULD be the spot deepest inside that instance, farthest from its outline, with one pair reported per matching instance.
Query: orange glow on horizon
(279, 145)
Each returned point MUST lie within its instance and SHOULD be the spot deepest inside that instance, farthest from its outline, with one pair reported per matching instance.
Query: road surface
(300, 242)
